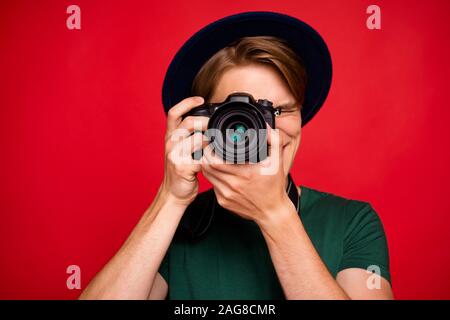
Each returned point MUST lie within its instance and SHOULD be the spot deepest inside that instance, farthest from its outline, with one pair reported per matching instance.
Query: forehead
(261, 81)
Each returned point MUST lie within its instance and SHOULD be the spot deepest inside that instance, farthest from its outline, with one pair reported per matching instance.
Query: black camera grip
(202, 111)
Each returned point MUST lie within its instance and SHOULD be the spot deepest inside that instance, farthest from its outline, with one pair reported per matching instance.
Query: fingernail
(199, 99)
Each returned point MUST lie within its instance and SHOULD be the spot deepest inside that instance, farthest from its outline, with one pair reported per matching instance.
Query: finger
(208, 154)
(177, 111)
(191, 124)
(195, 142)
(184, 149)
(186, 127)
(214, 178)
(210, 158)
(199, 148)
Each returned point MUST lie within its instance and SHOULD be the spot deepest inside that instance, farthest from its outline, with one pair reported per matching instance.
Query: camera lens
(238, 132)
(242, 133)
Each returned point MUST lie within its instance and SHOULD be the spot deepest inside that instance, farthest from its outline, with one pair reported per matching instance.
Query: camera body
(237, 127)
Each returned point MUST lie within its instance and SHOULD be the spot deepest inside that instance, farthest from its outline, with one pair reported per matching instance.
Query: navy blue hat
(300, 37)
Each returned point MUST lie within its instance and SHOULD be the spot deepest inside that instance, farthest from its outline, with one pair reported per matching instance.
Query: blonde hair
(260, 49)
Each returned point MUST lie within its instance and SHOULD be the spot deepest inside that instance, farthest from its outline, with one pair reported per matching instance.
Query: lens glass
(238, 132)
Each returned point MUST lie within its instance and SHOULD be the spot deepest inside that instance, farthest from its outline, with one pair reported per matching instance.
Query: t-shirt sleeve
(365, 245)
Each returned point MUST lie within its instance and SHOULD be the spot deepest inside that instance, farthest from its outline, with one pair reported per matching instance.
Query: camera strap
(198, 216)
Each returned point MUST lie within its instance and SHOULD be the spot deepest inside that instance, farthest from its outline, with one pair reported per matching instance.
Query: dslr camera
(237, 127)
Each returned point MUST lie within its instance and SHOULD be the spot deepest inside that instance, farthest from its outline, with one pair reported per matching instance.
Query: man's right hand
(180, 182)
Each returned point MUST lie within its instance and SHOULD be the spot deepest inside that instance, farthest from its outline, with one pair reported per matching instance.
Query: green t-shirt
(232, 260)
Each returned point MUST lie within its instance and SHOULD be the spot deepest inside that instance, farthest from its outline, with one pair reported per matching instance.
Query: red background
(82, 125)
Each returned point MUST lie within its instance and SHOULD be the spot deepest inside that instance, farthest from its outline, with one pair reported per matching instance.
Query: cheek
(290, 127)
(290, 130)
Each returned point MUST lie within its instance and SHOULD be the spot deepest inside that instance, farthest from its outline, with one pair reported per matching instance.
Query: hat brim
(301, 37)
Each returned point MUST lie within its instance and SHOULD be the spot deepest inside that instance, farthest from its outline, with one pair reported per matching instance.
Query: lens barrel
(239, 133)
